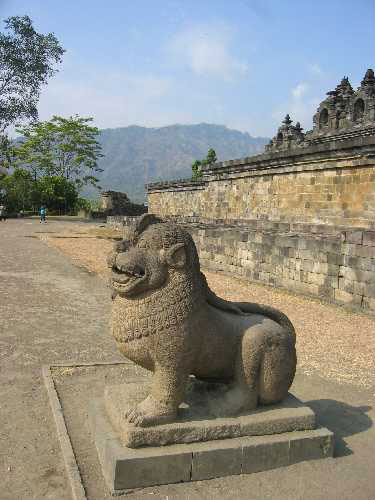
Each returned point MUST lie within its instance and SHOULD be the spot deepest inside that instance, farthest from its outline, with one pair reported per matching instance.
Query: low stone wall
(338, 266)
(333, 263)
(121, 221)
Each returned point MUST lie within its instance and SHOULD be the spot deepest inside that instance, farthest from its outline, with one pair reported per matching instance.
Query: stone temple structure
(117, 203)
(287, 136)
(300, 216)
(344, 111)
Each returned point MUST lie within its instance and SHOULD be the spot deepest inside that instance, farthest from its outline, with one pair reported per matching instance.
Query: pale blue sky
(241, 63)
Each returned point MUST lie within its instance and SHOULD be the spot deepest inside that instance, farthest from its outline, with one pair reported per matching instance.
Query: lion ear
(176, 255)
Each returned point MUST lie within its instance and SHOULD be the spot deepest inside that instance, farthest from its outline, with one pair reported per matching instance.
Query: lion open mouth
(125, 279)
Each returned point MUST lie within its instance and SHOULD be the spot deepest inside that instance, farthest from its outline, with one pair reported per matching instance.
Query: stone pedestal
(200, 445)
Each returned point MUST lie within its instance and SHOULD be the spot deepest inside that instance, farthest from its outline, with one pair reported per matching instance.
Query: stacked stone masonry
(332, 263)
(329, 183)
(338, 266)
(117, 203)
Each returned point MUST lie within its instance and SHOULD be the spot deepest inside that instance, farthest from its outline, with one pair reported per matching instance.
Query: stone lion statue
(166, 319)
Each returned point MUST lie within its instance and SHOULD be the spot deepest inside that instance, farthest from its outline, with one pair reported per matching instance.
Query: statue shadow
(342, 419)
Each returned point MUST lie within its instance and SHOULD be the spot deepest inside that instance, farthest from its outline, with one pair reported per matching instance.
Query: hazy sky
(241, 63)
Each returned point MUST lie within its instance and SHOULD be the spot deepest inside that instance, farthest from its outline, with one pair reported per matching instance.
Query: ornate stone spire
(343, 89)
(368, 82)
(369, 77)
(288, 136)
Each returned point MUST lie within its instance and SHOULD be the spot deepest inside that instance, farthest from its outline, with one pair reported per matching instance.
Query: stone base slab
(125, 468)
(199, 417)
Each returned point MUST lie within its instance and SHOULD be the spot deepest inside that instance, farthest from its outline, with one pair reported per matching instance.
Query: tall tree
(65, 147)
(27, 60)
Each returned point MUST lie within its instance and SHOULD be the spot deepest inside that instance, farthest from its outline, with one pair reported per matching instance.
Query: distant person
(42, 213)
(2, 213)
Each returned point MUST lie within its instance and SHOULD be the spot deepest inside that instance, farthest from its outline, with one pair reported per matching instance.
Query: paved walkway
(50, 311)
(53, 311)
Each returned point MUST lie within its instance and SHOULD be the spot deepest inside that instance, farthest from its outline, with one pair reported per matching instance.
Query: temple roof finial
(287, 120)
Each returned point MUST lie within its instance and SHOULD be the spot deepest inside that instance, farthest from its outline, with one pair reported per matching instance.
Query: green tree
(83, 203)
(65, 147)
(18, 190)
(211, 157)
(198, 164)
(6, 151)
(196, 169)
(56, 193)
(26, 62)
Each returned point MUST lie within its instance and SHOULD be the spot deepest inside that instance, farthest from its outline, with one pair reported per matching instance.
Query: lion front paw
(148, 413)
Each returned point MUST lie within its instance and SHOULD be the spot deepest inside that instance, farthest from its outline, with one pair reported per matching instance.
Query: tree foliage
(17, 190)
(27, 60)
(64, 147)
(20, 191)
(197, 165)
(196, 169)
(56, 193)
(7, 152)
(211, 157)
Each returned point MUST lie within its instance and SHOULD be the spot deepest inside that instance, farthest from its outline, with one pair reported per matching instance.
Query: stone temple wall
(329, 183)
(301, 219)
(336, 266)
(328, 262)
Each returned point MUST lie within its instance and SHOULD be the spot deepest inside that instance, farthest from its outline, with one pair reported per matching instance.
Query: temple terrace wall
(338, 266)
(300, 216)
(331, 263)
(329, 182)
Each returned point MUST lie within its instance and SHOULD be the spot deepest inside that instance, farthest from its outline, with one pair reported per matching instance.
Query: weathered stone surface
(125, 468)
(261, 454)
(317, 444)
(223, 458)
(341, 296)
(369, 238)
(166, 319)
(258, 194)
(369, 304)
(117, 203)
(199, 419)
(354, 237)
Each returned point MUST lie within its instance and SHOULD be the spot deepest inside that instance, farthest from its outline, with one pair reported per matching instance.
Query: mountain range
(135, 156)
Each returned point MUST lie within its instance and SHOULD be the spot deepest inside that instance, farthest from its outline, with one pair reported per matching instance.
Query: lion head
(156, 252)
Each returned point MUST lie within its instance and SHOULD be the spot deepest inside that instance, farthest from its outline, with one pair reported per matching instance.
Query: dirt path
(50, 310)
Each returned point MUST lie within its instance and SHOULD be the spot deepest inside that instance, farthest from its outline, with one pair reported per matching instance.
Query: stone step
(125, 468)
(202, 418)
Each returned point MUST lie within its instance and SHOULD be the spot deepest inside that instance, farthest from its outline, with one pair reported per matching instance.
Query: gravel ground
(332, 342)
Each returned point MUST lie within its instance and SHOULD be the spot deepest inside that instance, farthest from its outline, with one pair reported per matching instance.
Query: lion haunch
(166, 319)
